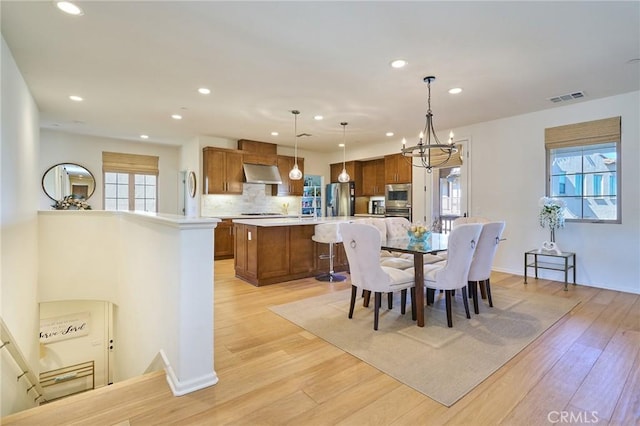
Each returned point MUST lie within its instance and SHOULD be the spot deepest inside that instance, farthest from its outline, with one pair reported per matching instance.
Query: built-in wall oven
(397, 200)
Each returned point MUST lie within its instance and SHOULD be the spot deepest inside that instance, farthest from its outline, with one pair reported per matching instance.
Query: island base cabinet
(273, 254)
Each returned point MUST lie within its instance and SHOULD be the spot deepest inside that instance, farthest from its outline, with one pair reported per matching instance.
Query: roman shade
(129, 163)
(579, 134)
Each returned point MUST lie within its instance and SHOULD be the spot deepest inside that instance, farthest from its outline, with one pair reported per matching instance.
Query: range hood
(260, 173)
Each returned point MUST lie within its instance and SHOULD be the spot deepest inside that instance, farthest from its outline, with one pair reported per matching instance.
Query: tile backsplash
(255, 198)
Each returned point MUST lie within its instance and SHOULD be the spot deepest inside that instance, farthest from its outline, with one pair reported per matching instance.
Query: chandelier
(429, 150)
(295, 173)
(344, 176)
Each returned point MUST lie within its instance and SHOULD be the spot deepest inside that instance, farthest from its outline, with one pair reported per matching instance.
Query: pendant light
(344, 176)
(295, 173)
(429, 150)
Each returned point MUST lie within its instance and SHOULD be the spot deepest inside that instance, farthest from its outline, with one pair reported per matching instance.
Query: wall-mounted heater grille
(567, 97)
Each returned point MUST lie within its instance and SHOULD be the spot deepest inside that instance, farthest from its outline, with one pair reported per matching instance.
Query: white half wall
(156, 269)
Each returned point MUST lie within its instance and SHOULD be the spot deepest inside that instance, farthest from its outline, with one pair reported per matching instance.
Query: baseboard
(178, 387)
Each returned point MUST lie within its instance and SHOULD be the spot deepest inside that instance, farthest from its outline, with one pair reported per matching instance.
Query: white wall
(508, 178)
(19, 186)
(58, 147)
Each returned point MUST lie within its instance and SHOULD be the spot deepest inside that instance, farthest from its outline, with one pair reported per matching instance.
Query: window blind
(129, 163)
(587, 133)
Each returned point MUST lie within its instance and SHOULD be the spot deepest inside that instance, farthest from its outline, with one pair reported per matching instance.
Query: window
(130, 182)
(583, 164)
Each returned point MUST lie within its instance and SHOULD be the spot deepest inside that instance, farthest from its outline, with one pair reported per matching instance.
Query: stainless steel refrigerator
(340, 199)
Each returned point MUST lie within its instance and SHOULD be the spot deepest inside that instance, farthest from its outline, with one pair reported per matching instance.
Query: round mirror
(191, 184)
(66, 179)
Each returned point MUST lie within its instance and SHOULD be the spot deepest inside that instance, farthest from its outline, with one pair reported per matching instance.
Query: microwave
(397, 195)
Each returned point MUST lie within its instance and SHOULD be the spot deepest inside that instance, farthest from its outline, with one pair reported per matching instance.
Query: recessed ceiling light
(455, 90)
(176, 117)
(76, 98)
(144, 136)
(398, 63)
(318, 117)
(204, 91)
(389, 133)
(70, 8)
(274, 133)
(341, 145)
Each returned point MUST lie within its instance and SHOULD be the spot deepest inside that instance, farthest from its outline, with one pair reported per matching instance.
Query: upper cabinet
(222, 171)
(373, 178)
(255, 152)
(354, 168)
(288, 186)
(397, 169)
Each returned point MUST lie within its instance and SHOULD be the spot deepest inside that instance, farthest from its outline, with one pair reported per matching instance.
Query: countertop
(293, 221)
(257, 217)
(368, 215)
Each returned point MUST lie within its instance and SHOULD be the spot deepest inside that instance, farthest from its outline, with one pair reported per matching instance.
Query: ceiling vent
(567, 97)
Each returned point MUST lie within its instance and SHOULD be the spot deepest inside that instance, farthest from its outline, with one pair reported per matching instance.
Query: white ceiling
(136, 63)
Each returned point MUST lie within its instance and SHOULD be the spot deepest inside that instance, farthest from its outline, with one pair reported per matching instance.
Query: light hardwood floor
(583, 370)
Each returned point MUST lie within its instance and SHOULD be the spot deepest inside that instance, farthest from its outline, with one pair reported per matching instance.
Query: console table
(531, 260)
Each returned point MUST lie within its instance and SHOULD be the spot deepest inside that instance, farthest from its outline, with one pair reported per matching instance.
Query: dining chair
(468, 219)
(480, 270)
(397, 228)
(453, 274)
(362, 246)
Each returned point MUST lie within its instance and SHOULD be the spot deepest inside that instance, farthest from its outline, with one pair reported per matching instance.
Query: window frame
(579, 137)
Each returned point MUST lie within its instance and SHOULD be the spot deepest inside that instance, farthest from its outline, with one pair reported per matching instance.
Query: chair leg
(390, 299)
(352, 304)
(431, 295)
(447, 296)
(367, 296)
(466, 302)
(483, 292)
(403, 301)
(473, 288)
(377, 301)
(488, 285)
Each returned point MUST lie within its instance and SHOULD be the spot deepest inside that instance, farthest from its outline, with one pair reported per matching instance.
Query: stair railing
(9, 344)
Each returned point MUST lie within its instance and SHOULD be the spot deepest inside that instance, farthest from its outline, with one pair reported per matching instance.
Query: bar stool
(328, 233)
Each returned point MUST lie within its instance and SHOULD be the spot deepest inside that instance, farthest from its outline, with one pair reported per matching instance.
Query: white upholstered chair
(480, 270)
(453, 274)
(362, 246)
(470, 219)
(328, 233)
(397, 228)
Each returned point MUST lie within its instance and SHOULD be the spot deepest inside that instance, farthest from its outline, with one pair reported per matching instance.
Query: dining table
(433, 244)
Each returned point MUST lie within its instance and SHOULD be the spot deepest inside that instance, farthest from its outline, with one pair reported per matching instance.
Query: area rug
(442, 363)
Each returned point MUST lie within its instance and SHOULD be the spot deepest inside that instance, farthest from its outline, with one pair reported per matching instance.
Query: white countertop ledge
(172, 220)
(294, 221)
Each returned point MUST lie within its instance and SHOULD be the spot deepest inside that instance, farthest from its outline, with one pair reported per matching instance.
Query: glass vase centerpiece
(551, 216)
(418, 233)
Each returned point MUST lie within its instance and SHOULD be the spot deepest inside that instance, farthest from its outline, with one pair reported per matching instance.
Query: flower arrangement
(551, 214)
(71, 202)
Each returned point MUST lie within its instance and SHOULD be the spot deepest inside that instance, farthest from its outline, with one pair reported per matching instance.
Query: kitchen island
(275, 250)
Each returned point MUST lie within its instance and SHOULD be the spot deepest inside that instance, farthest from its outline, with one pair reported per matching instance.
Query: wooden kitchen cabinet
(223, 243)
(354, 168)
(397, 169)
(288, 186)
(222, 170)
(373, 177)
